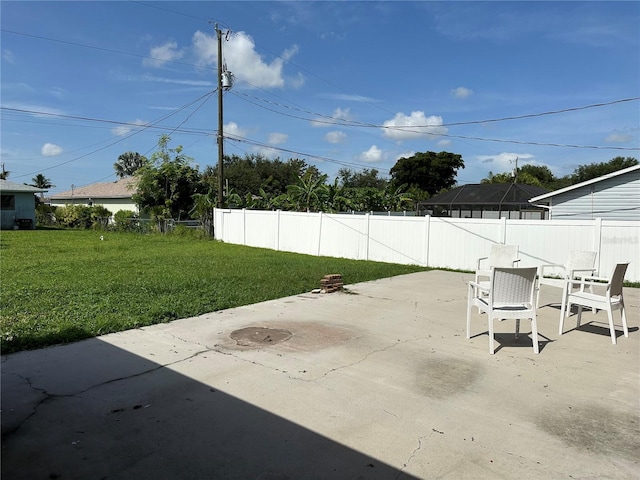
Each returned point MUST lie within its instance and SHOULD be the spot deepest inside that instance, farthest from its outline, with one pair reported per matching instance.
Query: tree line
(171, 186)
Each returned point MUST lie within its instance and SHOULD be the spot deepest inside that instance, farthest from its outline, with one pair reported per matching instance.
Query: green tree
(397, 199)
(40, 181)
(364, 178)
(542, 173)
(128, 163)
(167, 183)
(203, 205)
(538, 175)
(307, 194)
(595, 170)
(247, 175)
(429, 172)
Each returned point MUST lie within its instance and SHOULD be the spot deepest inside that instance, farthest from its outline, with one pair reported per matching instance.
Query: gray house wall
(24, 208)
(616, 198)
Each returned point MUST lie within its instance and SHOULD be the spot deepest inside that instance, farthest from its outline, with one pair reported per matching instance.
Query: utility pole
(221, 201)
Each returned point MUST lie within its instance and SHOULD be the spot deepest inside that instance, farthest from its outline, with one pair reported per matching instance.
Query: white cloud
(374, 154)
(162, 54)
(8, 56)
(335, 137)
(444, 142)
(296, 81)
(38, 110)
(618, 138)
(505, 162)
(346, 97)
(267, 152)
(233, 129)
(416, 125)
(57, 92)
(50, 150)
(277, 138)
(124, 129)
(242, 59)
(461, 92)
(408, 154)
(338, 115)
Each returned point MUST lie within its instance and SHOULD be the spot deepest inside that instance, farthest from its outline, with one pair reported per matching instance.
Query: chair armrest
(477, 286)
(542, 268)
(594, 279)
(572, 273)
(591, 281)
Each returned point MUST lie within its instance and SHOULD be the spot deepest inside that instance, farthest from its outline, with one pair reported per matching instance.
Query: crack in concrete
(388, 347)
(49, 396)
(413, 454)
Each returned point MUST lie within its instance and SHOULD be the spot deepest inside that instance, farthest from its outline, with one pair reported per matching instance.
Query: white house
(114, 196)
(615, 196)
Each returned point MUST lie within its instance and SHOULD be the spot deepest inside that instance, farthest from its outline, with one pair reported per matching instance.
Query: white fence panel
(344, 236)
(619, 242)
(457, 243)
(299, 232)
(260, 229)
(397, 239)
(545, 242)
(454, 243)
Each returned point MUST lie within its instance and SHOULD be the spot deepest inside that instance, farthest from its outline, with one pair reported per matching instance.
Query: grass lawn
(60, 286)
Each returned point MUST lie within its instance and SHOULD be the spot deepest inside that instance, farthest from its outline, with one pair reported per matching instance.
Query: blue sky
(339, 84)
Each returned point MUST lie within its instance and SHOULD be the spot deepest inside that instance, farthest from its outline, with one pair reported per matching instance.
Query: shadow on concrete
(94, 411)
(597, 327)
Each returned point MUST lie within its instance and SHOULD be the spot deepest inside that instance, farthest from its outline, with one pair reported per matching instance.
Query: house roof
(486, 194)
(122, 188)
(582, 184)
(7, 186)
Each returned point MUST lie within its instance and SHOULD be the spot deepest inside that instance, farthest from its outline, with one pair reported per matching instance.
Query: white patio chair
(510, 295)
(612, 299)
(578, 262)
(499, 256)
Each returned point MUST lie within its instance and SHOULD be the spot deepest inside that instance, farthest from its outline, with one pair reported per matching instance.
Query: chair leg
(565, 305)
(612, 328)
(517, 328)
(534, 334)
(625, 327)
(469, 311)
(565, 298)
(579, 316)
(491, 342)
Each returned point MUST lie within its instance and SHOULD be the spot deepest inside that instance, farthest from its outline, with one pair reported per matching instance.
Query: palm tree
(306, 194)
(128, 163)
(40, 181)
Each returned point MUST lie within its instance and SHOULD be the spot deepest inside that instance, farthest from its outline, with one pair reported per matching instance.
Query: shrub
(82, 216)
(126, 221)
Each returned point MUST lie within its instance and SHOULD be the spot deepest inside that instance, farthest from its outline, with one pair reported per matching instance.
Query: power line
(238, 138)
(139, 129)
(109, 50)
(333, 121)
(410, 129)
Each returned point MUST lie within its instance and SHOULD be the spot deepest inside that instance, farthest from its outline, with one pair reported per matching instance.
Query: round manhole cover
(257, 336)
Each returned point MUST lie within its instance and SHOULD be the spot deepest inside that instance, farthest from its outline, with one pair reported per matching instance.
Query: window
(8, 202)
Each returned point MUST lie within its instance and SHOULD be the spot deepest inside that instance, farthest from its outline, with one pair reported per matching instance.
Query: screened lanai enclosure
(491, 200)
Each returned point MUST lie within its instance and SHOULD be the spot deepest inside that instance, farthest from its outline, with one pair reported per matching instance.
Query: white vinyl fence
(437, 242)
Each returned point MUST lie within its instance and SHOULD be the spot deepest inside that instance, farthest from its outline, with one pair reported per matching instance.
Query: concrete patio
(377, 382)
